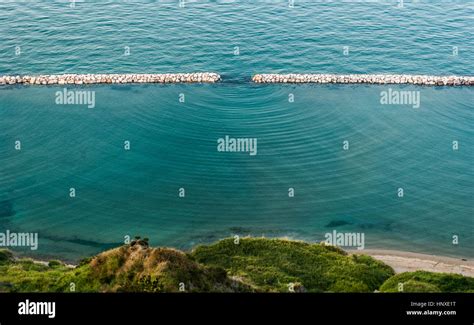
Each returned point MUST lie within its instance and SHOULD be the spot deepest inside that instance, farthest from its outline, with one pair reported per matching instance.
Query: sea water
(144, 160)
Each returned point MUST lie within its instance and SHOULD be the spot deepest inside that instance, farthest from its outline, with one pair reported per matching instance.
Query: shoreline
(400, 261)
(43, 262)
(252, 264)
(403, 261)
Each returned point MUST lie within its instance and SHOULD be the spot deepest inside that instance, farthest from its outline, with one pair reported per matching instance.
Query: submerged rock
(337, 223)
(6, 209)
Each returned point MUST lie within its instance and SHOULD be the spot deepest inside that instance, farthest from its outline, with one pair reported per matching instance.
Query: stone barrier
(84, 79)
(209, 77)
(365, 79)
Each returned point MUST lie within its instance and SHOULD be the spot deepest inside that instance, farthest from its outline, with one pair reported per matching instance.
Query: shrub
(5, 256)
(55, 263)
(422, 281)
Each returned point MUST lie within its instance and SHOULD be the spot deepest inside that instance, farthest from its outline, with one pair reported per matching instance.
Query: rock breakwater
(365, 79)
(80, 79)
(210, 77)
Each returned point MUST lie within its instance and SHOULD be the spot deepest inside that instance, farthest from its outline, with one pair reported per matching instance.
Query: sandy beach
(408, 262)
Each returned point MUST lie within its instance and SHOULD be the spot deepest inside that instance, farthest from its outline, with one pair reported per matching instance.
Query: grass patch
(422, 281)
(272, 265)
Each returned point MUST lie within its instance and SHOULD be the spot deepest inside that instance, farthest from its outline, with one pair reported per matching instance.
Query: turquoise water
(174, 144)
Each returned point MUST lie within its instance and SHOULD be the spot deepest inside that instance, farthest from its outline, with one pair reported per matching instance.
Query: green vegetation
(134, 267)
(422, 281)
(251, 265)
(140, 268)
(5, 256)
(27, 276)
(272, 265)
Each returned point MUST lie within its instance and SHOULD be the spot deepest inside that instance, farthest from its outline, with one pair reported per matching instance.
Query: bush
(422, 281)
(5, 256)
(55, 263)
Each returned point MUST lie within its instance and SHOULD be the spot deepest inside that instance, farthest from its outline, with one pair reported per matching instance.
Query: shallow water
(174, 144)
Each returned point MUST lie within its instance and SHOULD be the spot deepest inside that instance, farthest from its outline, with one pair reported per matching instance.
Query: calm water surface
(173, 144)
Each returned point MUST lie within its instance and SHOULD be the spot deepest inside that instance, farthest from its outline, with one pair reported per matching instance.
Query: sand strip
(408, 262)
